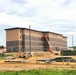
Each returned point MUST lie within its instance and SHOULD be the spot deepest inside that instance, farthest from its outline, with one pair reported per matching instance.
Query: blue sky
(49, 15)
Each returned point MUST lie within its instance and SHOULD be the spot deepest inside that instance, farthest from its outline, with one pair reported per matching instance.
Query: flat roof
(51, 32)
(34, 30)
(22, 29)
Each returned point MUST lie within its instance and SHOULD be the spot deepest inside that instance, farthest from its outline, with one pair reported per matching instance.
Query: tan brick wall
(33, 33)
(52, 35)
(64, 39)
(59, 36)
(12, 35)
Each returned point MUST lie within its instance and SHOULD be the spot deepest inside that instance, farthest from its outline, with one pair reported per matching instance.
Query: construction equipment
(23, 55)
(51, 48)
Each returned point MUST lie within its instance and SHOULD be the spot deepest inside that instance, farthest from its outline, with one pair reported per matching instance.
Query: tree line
(1, 46)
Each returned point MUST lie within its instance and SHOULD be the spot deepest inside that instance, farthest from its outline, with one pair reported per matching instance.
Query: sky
(57, 16)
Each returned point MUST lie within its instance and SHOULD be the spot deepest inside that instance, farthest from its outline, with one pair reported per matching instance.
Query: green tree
(2, 46)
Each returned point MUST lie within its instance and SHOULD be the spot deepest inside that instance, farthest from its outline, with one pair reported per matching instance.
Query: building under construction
(29, 40)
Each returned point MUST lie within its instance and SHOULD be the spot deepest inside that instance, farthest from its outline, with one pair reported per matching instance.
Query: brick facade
(23, 39)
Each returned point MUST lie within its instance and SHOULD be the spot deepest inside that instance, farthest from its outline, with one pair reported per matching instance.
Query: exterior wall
(64, 44)
(22, 39)
(12, 35)
(53, 40)
(36, 41)
(13, 40)
(59, 42)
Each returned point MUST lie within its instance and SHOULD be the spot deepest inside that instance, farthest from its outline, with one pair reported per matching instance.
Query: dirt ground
(25, 66)
(11, 66)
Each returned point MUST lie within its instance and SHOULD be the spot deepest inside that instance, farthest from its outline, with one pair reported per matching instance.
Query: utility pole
(30, 38)
(72, 42)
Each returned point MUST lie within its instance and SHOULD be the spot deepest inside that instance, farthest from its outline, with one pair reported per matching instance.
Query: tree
(2, 46)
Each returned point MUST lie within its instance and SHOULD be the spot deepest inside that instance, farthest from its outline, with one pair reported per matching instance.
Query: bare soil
(28, 66)
(9, 66)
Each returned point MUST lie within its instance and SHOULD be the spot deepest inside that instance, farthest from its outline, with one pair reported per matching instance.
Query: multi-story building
(28, 40)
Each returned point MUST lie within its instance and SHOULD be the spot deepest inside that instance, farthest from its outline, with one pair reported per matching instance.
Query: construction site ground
(31, 64)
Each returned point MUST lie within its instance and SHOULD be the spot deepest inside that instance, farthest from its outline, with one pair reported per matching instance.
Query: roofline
(34, 30)
(12, 28)
(22, 29)
(51, 32)
(64, 36)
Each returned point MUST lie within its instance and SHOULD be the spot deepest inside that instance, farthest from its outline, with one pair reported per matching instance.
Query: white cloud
(13, 20)
(52, 15)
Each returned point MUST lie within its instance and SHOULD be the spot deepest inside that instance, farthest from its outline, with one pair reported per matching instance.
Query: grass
(40, 72)
(3, 56)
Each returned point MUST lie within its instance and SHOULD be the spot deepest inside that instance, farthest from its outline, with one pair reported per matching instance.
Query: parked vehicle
(61, 59)
(57, 59)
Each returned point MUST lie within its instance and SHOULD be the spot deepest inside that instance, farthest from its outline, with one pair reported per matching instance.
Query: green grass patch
(3, 56)
(40, 72)
(9, 54)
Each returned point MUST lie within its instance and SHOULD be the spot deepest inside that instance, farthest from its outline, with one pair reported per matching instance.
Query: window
(20, 37)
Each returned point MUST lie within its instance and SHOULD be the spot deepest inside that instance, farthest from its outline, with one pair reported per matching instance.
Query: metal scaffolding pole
(30, 38)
